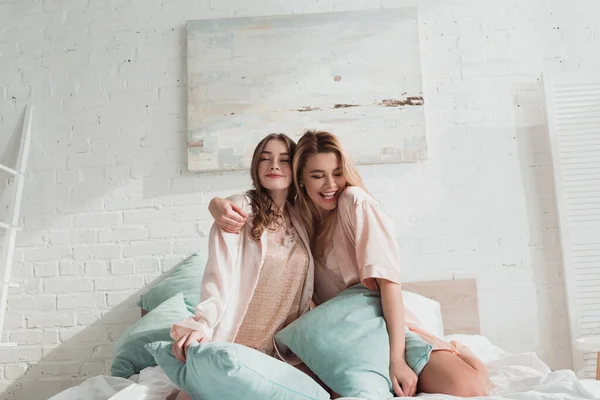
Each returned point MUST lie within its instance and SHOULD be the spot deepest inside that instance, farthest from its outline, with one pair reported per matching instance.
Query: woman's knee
(469, 387)
(447, 374)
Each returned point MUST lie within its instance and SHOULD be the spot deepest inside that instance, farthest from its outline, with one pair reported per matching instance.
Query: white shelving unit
(9, 227)
(573, 108)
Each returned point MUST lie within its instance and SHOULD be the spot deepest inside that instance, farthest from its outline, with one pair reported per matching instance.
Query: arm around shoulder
(230, 213)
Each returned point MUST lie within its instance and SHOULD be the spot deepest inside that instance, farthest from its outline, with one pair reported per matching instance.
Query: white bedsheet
(150, 384)
(525, 377)
(514, 376)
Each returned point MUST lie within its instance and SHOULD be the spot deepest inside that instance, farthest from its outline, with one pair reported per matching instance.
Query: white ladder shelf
(10, 227)
(573, 110)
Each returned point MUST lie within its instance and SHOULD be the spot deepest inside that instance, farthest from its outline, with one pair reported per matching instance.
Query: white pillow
(428, 311)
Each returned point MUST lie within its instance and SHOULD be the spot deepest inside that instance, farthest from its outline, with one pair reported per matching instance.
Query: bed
(514, 376)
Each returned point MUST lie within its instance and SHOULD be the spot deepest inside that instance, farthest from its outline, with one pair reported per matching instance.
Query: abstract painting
(356, 74)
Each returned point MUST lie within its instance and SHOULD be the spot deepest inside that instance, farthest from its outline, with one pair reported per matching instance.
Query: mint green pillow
(185, 277)
(344, 341)
(223, 371)
(130, 355)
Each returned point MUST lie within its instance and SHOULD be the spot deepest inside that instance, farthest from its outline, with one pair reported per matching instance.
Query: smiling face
(274, 166)
(324, 180)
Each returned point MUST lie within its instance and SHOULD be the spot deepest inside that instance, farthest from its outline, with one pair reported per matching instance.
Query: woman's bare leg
(470, 358)
(181, 396)
(448, 373)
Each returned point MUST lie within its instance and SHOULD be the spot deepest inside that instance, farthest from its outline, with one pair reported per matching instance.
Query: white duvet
(514, 376)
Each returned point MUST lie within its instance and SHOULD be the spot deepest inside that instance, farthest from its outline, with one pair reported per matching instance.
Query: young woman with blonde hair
(353, 241)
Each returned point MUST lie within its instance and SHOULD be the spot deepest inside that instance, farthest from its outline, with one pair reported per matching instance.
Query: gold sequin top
(276, 300)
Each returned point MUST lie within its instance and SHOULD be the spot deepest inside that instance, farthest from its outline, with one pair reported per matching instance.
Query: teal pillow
(223, 371)
(130, 355)
(344, 341)
(185, 277)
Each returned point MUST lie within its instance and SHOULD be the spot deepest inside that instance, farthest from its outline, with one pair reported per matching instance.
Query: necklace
(289, 234)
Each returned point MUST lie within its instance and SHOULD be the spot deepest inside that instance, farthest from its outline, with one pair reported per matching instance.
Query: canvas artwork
(355, 74)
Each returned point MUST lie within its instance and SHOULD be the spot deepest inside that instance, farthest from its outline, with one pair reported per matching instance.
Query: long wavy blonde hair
(265, 214)
(311, 143)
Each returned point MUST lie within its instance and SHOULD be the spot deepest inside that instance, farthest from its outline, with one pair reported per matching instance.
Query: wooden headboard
(458, 300)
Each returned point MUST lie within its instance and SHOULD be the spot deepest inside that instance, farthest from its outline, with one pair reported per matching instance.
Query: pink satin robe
(231, 274)
(364, 250)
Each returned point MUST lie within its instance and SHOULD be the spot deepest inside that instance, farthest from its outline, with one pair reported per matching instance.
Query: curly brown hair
(265, 213)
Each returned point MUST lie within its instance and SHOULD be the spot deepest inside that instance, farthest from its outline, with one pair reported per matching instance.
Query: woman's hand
(181, 346)
(228, 215)
(404, 379)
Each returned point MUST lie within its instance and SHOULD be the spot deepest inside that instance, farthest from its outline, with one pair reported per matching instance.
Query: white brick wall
(109, 203)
